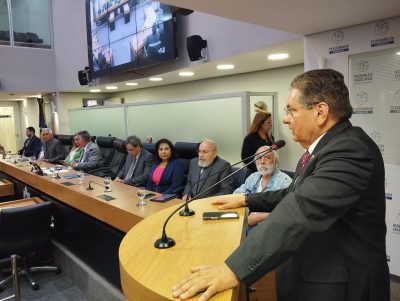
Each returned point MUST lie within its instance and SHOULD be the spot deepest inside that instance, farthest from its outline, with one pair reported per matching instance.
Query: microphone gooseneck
(166, 242)
(90, 186)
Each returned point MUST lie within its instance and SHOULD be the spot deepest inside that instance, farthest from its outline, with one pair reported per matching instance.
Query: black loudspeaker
(194, 45)
(83, 76)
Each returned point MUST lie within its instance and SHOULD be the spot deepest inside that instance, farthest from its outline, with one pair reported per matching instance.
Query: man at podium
(325, 235)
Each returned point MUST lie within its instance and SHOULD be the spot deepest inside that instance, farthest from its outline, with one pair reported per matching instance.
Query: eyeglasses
(293, 111)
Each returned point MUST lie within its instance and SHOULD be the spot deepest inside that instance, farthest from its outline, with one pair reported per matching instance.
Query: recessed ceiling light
(225, 67)
(398, 53)
(111, 87)
(155, 79)
(278, 56)
(131, 84)
(94, 90)
(186, 73)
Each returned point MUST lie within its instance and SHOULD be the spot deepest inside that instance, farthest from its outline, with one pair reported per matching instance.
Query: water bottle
(25, 193)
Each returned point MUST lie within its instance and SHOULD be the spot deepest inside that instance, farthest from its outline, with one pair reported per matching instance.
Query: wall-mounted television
(129, 34)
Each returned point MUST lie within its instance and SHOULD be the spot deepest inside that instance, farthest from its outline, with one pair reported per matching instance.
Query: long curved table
(148, 273)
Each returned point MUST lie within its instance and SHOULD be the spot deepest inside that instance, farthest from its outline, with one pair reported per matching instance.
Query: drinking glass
(52, 174)
(81, 175)
(107, 184)
(141, 192)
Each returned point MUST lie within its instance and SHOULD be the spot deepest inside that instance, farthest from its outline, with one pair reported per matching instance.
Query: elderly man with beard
(205, 171)
(267, 178)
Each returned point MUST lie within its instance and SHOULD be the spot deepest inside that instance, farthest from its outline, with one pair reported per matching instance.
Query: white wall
(275, 80)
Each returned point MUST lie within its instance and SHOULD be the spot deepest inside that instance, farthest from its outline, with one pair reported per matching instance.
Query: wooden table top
(121, 213)
(148, 273)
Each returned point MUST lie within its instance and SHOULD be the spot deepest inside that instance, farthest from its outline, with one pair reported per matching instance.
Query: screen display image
(126, 34)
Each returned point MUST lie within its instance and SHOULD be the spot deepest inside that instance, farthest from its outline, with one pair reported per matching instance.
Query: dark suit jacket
(142, 169)
(326, 232)
(91, 158)
(226, 187)
(53, 150)
(32, 148)
(172, 179)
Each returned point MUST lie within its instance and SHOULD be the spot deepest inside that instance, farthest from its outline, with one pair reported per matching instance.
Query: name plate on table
(106, 197)
(67, 183)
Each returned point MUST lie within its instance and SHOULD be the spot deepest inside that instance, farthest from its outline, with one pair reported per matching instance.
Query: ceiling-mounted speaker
(194, 45)
(84, 77)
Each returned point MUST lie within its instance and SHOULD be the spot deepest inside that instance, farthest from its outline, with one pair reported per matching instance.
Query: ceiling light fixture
(278, 56)
(155, 79)
(225, 67)
(94, 90)
(111, 87)
(398, 53)
(131, 84)
(186, 73)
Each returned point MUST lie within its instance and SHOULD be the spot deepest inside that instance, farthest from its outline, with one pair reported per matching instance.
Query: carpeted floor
(52, 288)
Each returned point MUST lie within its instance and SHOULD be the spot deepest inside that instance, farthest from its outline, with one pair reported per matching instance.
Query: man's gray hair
(274, 153)
(47, 130)
(134, 141)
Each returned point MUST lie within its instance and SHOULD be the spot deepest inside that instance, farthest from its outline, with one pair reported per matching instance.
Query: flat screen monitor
(125, 35)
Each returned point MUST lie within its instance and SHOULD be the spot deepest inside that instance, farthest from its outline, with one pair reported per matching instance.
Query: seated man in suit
(52, 149)
(32, 145)
(267, 178)
(91, 157)
(206, 164)
(137, 165)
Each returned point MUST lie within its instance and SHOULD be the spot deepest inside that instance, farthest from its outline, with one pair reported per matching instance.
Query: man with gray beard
(267, 178)
(205, 170)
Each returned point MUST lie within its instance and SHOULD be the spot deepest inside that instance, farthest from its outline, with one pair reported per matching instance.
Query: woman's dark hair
(258, 120)
(171, 146)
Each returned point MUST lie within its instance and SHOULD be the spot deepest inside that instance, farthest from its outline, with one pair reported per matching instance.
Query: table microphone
(166, 242)
(189, 212)
(91, 188)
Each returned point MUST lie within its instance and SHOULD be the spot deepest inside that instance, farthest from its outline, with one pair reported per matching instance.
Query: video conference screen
(128, 34)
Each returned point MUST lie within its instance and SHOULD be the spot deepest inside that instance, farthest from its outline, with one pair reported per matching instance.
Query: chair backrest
(151, 147)
(25, 229)
(66, 141)
(290, 173)
(240, 177)
(106, 145)
(186, 151)
(118, 159)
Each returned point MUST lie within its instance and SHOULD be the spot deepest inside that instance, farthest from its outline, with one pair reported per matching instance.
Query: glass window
(31, 23)
(4, 24)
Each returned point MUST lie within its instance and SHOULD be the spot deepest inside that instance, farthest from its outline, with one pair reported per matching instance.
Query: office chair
(106, 145)
(66, 141)
(25, 231)
(150, 147)
(240, 177)
(117, 161)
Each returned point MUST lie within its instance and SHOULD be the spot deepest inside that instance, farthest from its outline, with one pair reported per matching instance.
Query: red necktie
(304, 160)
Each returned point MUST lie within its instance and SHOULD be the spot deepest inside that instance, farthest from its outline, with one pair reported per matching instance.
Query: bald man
(202, 167)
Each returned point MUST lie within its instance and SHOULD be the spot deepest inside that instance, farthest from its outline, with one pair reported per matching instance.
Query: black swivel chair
(25, 231)
(106, 145)
(150, 147)
(117, 161)
(66, 141)
(186, 151)
(240, 177)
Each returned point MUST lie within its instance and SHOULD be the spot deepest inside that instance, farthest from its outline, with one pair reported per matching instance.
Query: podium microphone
(166, 242)
(189, 212)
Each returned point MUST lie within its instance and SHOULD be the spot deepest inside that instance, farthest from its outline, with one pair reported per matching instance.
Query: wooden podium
(148, 273)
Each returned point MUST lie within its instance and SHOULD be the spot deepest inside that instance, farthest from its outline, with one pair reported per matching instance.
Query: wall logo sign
(376, 136)
(337, 38)
(396, 107)
(364, 76)
(381, 29)
(363, 66)
(362, 98)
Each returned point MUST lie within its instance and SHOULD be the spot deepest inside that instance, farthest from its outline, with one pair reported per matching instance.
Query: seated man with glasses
(205, 171)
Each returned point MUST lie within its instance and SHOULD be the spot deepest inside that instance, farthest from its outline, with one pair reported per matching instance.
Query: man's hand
(210, 279)
(230, 201)
(73, 164)
(118, 180)
(255, 217)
